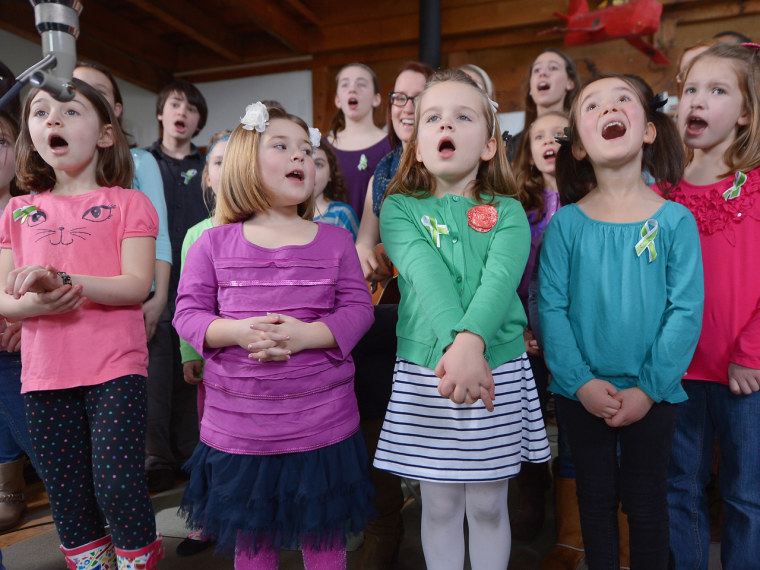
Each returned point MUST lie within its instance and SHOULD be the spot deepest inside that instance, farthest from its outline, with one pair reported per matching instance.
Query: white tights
(444, 506)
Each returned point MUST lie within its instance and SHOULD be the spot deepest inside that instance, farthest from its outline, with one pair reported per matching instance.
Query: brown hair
(241, 192)
(744, 152)
(338, 122)
(418, 67)
(529, 178)
(336, 187)
(192, 94)
(700, 44)
(209, 199)
(531, 110)
(494, 178)
(114, 166)
(663, 158)
(9, 127)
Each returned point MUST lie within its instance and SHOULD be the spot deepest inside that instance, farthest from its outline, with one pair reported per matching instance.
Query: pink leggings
(267, 559)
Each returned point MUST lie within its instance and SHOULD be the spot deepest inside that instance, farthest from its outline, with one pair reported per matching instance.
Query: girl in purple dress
(274, 303)
(354, 136)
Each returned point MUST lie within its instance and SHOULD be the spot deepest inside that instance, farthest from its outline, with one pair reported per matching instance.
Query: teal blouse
(607, 312)
(453, 277)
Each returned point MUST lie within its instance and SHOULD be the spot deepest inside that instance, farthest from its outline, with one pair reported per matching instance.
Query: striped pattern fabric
(428, 437)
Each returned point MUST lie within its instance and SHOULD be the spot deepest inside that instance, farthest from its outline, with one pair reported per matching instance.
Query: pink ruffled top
(730, 237)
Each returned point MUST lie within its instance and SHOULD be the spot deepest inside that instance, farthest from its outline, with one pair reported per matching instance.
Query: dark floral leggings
(90, 444)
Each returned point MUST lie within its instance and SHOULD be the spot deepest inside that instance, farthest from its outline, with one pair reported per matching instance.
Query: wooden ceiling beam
(304, 11)
(278, 23)
(196, 25)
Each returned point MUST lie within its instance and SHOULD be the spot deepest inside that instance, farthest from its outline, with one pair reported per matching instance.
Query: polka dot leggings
(90, 443)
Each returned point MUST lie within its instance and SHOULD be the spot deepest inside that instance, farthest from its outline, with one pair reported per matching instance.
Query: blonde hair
(744, 152)
(241, 191)
(494, 177)
(208, 193)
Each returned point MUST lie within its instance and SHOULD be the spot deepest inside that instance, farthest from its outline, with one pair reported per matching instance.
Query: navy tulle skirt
(308, 499)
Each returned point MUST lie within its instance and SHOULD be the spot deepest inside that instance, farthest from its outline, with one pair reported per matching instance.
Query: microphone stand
(57, 21)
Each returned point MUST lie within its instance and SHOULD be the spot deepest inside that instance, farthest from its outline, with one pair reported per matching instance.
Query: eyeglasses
(399, 99)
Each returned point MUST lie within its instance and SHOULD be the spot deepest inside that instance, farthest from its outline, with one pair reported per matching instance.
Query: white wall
(226, 99)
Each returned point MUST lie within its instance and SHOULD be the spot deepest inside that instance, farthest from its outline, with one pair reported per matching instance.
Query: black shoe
(191, 547)
(160, 480)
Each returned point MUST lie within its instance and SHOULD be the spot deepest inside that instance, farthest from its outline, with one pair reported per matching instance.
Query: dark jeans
(90, 443)
(172, 403)
(637, 478)
(14, 435)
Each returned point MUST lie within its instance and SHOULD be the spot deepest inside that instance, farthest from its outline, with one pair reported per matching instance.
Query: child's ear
(337, 101)
(106, 136)
(489, 151)
(570, 85)
(578, 151)
(376, 100)
(743, 118)
(650, 133)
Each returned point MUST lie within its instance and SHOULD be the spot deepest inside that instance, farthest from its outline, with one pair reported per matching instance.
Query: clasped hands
(617, 408)
(465, 376)
(273, 337)
(51, 296)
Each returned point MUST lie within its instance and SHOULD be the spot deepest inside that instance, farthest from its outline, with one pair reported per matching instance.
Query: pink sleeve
(140, 217)
(746, 350)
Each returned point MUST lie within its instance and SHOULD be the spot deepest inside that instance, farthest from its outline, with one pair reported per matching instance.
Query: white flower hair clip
(256, 117)
(314, 136)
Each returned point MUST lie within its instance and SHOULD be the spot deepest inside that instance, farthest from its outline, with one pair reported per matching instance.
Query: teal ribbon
(435, 229)
(739, 179)
(646, 243)
(20, 214)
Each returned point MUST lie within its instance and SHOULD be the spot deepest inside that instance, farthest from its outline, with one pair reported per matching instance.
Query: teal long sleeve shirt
(456, 278)
(611, 314)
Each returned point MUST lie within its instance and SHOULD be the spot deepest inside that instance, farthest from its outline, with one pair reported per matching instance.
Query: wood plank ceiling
(148, 42)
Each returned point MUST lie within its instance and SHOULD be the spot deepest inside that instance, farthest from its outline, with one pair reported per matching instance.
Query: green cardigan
(456, 278)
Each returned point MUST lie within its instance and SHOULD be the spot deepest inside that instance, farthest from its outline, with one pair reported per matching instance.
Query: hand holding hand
(32, 279)
(743, 380)
(597, 397)
(191, 370)
(634, 405)
(464, 372)
(61, 300)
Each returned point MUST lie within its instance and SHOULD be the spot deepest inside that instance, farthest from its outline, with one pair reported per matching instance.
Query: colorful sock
(324, 559)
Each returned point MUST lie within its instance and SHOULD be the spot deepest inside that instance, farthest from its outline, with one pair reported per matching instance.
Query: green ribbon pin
(739, 179)
(646, 243)
(20, 214)
(362, 162)
(435, 229)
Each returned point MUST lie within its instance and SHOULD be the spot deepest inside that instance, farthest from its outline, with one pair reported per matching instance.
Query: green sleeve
(186, 351)
(418, 262)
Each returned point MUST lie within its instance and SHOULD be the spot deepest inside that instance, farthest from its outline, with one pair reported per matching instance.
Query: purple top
(537, 228)
(357, 167)
(304, 403)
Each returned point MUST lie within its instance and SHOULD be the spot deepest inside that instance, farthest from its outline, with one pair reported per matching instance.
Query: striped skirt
(428, 437)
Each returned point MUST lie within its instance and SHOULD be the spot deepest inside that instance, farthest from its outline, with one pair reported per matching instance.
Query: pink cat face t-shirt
(81, 235)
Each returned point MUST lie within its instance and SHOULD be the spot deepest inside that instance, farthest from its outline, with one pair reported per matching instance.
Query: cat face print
(62, 232)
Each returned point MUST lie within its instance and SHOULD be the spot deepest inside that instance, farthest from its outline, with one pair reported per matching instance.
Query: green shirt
(453, 277)
(188, 352)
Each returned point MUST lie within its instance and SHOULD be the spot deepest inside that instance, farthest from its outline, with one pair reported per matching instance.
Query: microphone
(57, 21)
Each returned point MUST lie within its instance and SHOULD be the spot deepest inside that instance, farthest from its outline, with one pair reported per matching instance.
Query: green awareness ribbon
(739, 179)
(20, 214)
(646, 243)
(362, 162)
(435, 229)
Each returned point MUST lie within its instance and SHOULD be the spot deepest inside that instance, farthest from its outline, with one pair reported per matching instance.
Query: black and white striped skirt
(428, 437)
